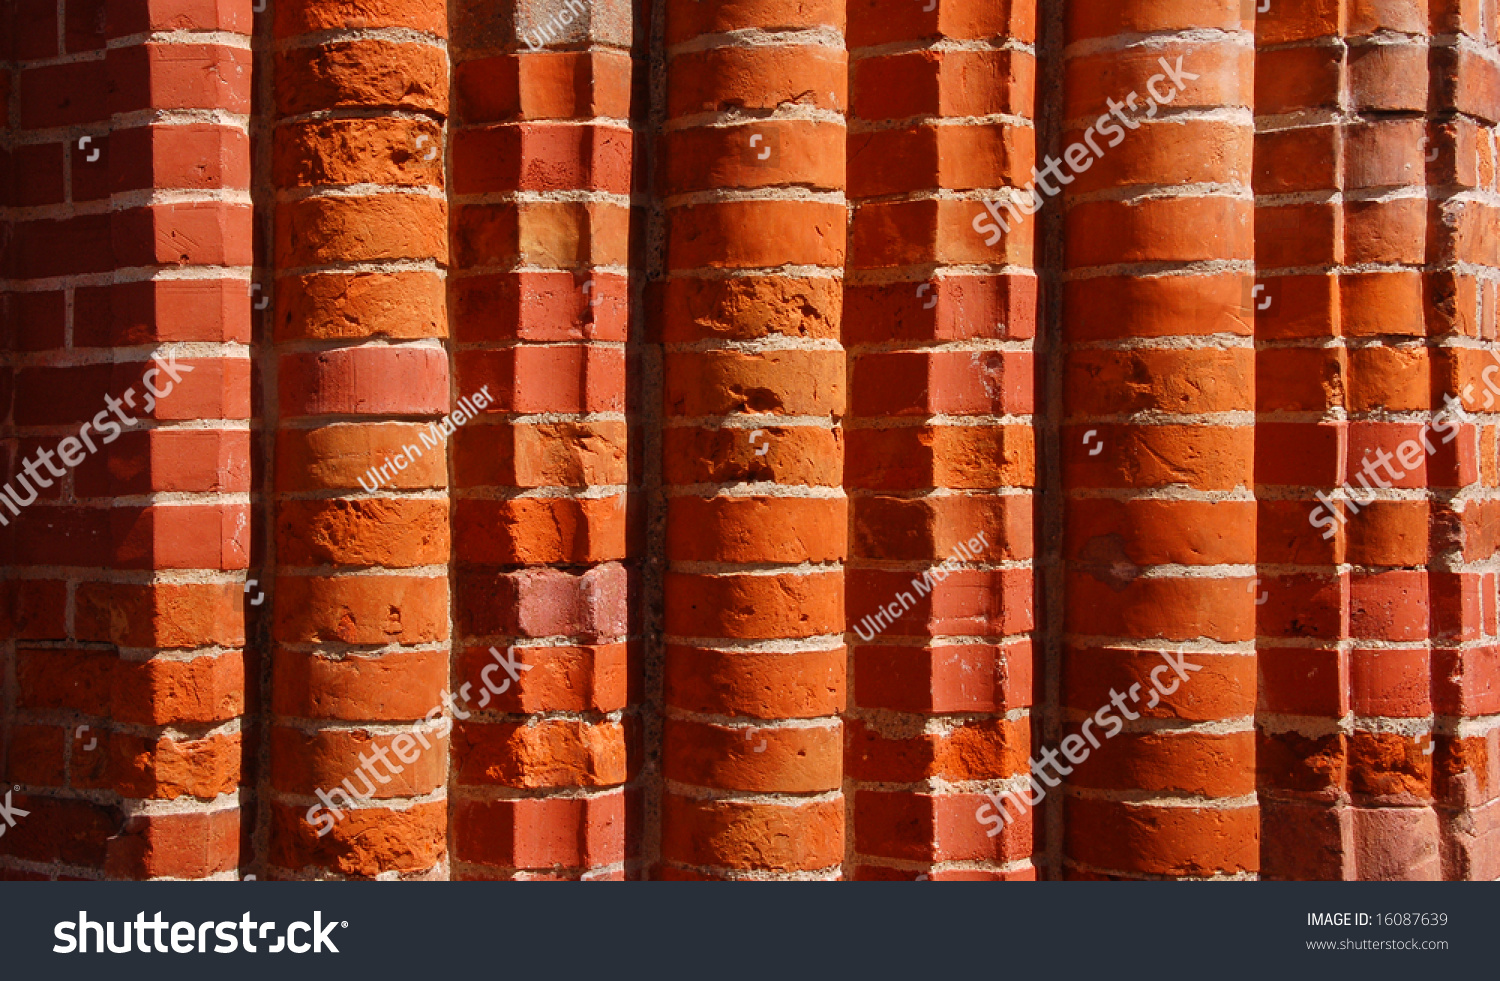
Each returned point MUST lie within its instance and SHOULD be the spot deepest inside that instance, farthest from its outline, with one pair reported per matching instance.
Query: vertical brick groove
(1157, 443)
(939, 328)
(8, 323)
(542, 175)
(754, 391)
(361, 603)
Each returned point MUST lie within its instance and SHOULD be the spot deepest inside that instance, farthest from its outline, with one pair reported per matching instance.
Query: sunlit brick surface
(750, 439)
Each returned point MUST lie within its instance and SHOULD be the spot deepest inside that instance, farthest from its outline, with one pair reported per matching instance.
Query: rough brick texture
(745, 439)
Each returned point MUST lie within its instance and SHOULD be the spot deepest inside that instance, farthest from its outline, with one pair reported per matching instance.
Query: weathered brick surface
(1156, 438)
(361, 587)
(542, 549)
(957, 128)
(128, 249)
(825, 479)
(740, 216)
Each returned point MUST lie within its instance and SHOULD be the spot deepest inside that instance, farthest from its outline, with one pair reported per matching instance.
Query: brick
(179, 76)
(398, 685)
(755, 78)
(367, 73)
(161, 310)
(390, 152)
(361, 610)
(377, 767)
(735, 834)
(540, 306)
(335, 456)
(425, 16)
(544, 85)
(804, 759)
(366, 381)
(392, 534)
(321, 230)
(580, 678)
(945, 677)
(181, 15)
(754, 607)
(791, 684)
(1173, 841)
(543, 833)
(359, 305)
(542, 157)
(63, 95)
(543, 602)
(547, 753)
(409, 839)
(985, 749)
(159, 615)
(923, 827)
(755, 234)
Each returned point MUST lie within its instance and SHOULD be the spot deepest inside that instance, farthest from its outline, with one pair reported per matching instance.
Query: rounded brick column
(752, 450)
(361, 600)
(1157, 442)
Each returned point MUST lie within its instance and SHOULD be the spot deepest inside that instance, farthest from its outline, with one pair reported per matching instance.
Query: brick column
(939, 320)
(130, 246)
(362, 544)
(542, 175)
(1463, 281)
(1397, 597)
(1302, 437)
(752, 451)
(1156, 442)
(1342, 237)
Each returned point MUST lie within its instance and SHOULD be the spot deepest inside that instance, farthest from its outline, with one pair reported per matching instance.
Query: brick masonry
(796, 511)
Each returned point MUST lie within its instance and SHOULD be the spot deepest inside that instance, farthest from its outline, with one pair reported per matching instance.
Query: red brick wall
(128, 238)
(755, 372)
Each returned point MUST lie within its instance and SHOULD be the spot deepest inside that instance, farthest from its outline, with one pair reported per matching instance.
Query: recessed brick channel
(894, 439)
(1463, 323)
